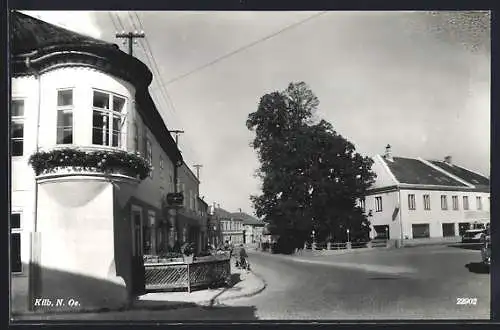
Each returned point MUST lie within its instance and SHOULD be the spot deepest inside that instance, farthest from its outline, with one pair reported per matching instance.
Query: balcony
(81, 162)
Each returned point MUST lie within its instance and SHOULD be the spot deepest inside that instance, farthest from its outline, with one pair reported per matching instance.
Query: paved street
(420, 282)
(411, 283)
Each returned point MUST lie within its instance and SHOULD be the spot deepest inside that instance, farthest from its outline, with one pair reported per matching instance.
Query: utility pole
(130, 36)
(176, 132)
(198, 170)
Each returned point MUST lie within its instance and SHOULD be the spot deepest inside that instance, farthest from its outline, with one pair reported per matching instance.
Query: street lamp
(348, 240)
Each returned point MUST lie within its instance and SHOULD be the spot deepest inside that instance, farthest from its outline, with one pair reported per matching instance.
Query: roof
(248, 219)
(464, 174)
(29, 33)
(415, 171)
(220, 212)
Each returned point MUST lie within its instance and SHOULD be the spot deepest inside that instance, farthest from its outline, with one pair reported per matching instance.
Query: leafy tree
(311, 176)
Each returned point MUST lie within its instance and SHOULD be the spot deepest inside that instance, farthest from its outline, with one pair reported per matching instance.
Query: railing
(187, 274)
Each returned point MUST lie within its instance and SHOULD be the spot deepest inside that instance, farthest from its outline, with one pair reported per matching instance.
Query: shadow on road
(226, 313)
(478, 268)
(469, 246)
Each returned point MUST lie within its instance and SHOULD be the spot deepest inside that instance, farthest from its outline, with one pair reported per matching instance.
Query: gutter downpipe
(33, 287)
(400, 216)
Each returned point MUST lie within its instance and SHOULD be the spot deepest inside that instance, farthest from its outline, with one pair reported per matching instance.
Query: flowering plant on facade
(105, 161)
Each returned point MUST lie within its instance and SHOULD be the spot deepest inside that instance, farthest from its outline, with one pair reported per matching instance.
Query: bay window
(64, 116)
(107, 118)
(17, 127)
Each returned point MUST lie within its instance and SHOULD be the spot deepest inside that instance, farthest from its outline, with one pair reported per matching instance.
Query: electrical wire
(245, 47)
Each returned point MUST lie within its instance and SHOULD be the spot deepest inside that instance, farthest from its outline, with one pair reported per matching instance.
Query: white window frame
(149, 155)
(18, 231)
(378, 204)
(444, 202)
(362, 204)
(454, 202)
(427, 202)
(107, 128)
(65, 109)
(136, 136)
(411, 202)
(20, 120)
(479, 203)
(465, 201)
(161, 167)
(152, 231)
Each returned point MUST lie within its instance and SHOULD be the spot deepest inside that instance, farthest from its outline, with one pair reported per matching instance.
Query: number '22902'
(466, 301)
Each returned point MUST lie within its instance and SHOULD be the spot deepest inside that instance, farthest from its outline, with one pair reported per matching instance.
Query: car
(473, 236)
(486, 248)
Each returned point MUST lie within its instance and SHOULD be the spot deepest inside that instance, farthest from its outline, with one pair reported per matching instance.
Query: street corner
(245, 284)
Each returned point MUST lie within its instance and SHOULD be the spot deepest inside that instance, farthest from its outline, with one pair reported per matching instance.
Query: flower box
(101, 161)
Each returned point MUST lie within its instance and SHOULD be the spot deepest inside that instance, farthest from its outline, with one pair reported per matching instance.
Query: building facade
(82, 231)
(416, 198)
(231, 227)
(191, 224)
(252, 228)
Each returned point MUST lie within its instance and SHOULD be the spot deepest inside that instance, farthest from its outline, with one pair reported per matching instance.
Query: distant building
(252, 228)
(416, 198)
(232, 228)
(214, 228)
(191, 224)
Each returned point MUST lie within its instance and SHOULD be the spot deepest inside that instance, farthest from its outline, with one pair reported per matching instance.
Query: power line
(148, 51)
(160, 79)
(113, 21)
(120, 21)
(245, 47)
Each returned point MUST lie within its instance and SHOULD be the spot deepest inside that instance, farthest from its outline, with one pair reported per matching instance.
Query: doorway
(138, 273)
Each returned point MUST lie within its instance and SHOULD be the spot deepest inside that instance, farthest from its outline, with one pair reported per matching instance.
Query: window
(136, 137)
(149, 155)
(17, 127)
(427, 202)
(448, 229)
(161, 167)
(479, 203)
(411, 202)
(107, 119)
(378, 204)
(454, 200)
(64, 116)
(444, 202)
(362, 204)
(16, 265)
(420, 230)
(466, 202)
(191, 200)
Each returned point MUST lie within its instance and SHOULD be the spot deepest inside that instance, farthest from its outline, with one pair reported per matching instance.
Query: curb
(246, 295)
(205, 303)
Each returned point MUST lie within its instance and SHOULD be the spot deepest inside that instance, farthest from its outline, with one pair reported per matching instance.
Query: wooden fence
(187, 274)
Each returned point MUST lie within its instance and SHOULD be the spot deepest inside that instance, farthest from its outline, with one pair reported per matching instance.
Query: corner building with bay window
(80, 233)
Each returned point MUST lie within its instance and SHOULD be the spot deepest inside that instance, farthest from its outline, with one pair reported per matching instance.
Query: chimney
(447, 160)
(388, 153)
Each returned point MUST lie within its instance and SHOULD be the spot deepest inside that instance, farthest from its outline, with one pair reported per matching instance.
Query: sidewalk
(246, 284)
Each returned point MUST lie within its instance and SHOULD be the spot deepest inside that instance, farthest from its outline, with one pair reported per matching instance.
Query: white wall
(389, 204)
(22, 175)
(435, 217)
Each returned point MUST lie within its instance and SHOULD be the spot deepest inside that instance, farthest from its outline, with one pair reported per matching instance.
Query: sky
(419, 81)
